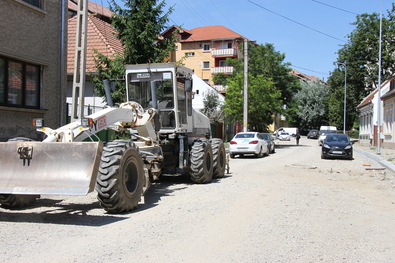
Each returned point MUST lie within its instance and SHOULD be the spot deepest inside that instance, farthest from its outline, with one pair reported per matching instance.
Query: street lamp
(345, 94)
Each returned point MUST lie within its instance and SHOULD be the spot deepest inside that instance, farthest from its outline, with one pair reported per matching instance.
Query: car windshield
(284, 133)
(265, 135)
(244, 135)
(337, 138)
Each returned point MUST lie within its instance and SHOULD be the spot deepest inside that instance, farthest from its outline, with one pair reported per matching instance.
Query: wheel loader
(165, 136)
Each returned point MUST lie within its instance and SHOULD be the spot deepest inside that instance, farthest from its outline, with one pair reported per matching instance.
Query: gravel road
(290, 206)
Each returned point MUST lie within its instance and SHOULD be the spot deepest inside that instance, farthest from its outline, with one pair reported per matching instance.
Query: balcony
(225, 70)
(220, 88)
(227, 52)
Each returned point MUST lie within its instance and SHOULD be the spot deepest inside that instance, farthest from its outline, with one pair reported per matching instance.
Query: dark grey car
(270, 142)
(313, 134)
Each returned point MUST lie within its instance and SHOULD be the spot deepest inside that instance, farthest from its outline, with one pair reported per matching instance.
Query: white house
(368, 117)
(200, 89)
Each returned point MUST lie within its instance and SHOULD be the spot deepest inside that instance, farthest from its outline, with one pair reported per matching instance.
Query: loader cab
(165, 89)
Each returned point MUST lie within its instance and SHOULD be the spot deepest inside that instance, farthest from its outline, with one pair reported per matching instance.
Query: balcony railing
(224, 52)
(225, 70)
(220, 88)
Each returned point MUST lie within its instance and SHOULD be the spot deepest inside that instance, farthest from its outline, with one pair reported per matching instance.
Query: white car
(284, 136)
(248, 143)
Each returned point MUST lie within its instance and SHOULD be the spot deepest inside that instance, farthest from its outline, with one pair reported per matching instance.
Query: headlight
(347, 147)
(326, 146)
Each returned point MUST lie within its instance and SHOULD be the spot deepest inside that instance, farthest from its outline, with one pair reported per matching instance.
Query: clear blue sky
(309, 32)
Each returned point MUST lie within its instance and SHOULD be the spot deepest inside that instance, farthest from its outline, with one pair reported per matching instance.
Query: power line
(318, 72)
(335, 7)
(296, 22)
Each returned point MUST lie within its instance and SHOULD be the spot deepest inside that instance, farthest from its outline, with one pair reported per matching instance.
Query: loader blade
(56, 168)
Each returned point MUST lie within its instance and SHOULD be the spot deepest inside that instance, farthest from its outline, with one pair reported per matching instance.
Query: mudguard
(56, 168)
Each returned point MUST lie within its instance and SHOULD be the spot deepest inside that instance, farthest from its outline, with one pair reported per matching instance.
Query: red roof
(93, 8)
(210, 33)
(368, 99)
(302, 76)
(101, 36)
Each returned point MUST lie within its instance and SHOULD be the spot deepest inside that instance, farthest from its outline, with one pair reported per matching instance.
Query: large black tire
(121, 177)
(12, 201)
(15, 201)
(201, 159)
(219, 158)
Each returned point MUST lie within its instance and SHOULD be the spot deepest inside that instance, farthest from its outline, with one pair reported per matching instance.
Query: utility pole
(245, 111)
(379, 85)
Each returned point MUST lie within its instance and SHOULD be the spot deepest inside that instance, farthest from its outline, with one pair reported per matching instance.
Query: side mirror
(188, 85)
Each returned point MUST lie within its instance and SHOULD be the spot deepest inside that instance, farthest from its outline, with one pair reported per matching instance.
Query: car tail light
(233, 142)
(253, 142)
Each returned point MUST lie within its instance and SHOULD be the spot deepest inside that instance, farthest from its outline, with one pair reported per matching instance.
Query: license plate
(337, 152)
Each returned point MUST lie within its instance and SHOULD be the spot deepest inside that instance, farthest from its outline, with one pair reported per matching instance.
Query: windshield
(139, 89)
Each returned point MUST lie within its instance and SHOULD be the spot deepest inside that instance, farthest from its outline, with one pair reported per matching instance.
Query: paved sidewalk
(386, 157)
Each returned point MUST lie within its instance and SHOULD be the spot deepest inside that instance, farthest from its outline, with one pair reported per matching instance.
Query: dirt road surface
(290, 206)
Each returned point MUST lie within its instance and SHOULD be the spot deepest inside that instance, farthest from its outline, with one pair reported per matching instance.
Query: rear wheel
(16, 200)
(121, 177)
(201, 159)
(260, 154)
(219, 158)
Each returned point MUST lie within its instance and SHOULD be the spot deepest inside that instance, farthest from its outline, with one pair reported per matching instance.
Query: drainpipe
(62, 63)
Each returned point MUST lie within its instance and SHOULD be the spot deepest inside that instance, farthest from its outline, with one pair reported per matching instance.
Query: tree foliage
(270, 84)
(361, 56)
(139, 26)
(263, 100)
(212, 107)
(311, 104)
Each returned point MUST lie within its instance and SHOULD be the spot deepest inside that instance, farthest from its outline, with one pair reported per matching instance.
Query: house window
(206, 64)
(206, 47)
(225, 45)
(36, 3)
(190, 54)
(19, 84)
(222, 63)
(206, 80)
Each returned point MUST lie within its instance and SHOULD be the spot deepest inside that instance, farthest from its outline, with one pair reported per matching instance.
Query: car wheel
(260, 154)
(322, 156)
(232, 156)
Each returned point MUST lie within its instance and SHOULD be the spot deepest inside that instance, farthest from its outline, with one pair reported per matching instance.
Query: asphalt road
(291, 206)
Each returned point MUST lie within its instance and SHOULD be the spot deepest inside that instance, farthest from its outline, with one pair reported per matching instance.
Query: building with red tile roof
(368, 114)
(101, 37)
(205, 49)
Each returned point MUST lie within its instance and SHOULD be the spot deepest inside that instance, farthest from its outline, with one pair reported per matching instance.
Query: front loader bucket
(56, 168)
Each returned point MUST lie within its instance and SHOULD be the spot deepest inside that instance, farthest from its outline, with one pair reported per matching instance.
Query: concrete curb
(377, 158)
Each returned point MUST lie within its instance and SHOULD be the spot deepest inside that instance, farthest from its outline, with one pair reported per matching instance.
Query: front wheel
(201, 159)
(12, 201)
(121, 178)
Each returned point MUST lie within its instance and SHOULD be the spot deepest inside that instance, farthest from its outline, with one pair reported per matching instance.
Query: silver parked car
(270, 142)
(248, 143)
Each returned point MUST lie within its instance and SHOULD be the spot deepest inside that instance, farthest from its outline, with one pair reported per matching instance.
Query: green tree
(263, 101)
(361, 56)
(310, 104)
(267, 65)
(212, 107)
(139, 26)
